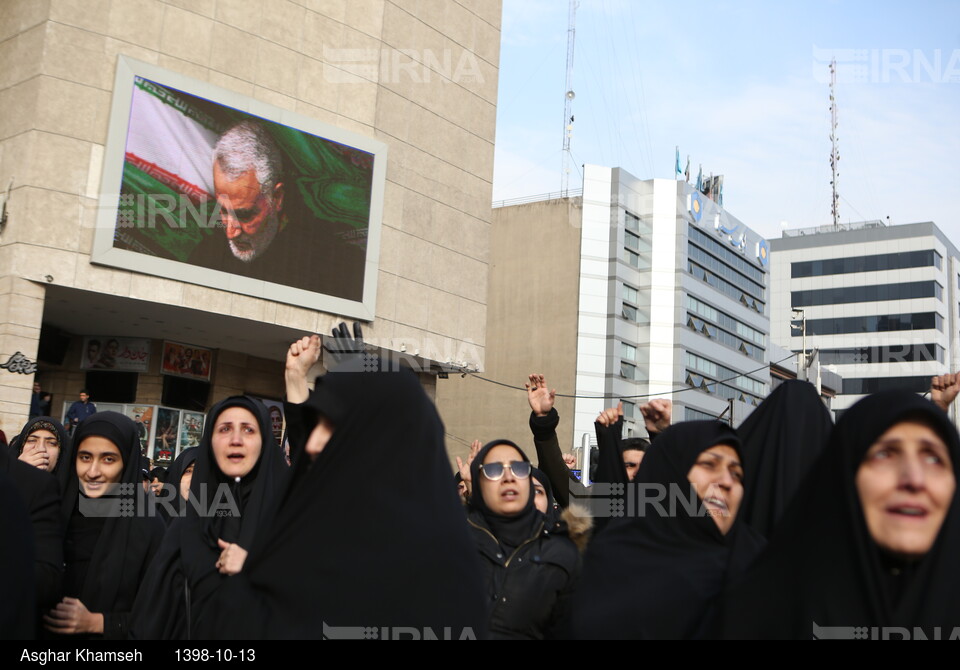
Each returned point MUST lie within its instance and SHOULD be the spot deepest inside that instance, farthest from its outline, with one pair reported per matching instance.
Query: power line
(458, 439)
(634, 397)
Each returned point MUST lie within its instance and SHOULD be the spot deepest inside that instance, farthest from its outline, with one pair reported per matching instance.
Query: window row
(875, 324)
(877, 384)
(722, 336)
(723, 270)
(875, 293)
(726, 321)
(841, 266)
(891, 353)
(718, 371)
(691, 414)
(732, 258)
(725, 287)
(720, 390)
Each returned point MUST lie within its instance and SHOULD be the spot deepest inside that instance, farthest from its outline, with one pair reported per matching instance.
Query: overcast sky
(742, 88)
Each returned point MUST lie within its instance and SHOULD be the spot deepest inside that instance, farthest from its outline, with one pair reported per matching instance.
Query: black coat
(528, 590)
(16, 557)
(40, 494)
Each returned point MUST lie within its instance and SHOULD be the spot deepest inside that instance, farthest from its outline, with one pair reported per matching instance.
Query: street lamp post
(802, 362)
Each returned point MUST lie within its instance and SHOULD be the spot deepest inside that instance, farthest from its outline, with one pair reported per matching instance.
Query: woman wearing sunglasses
(529, 569)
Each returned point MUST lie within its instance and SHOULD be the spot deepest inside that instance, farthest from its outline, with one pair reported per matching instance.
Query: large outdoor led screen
(210, 187)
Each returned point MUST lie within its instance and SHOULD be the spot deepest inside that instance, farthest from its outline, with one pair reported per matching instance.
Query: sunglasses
(494, 471)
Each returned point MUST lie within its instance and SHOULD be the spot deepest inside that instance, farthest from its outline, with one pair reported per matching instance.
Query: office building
(632, 289)
(878, 303)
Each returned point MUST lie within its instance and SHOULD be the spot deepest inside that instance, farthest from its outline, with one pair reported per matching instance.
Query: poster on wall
(218, 189)
(142, 416)
(123, 354)
(184, 360)
(191, 429)
(276, 417)
(165, 441)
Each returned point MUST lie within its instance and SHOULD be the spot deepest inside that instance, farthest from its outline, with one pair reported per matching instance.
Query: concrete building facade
(878, 302)
(418, 77)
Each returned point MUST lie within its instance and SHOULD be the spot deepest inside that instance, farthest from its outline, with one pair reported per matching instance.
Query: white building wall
(661, 336)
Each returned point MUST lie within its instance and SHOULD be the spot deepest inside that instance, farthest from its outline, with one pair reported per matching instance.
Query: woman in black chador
(369, 537)
(871, 542)
(235, 480)
(658, 572)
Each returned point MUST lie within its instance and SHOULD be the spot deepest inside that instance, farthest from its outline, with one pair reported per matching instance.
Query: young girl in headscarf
(111, 536)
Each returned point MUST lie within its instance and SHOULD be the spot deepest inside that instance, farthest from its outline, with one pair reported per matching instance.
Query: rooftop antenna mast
(834, 151)
(568, 100)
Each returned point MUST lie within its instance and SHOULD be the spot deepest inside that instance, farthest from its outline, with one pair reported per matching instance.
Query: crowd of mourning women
(787, 527)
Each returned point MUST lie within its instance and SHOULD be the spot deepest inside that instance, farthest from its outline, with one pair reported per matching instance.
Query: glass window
(628, 351)
(726, 254)
(628, 370)
(631, 241)
(631, 258)
(874, 293)
(630, 312)
(893, 353)
(875, 324)
(875, 263)
(630, 294)
(725, 287)
(691, 414)
(632, 222)
(877, 384)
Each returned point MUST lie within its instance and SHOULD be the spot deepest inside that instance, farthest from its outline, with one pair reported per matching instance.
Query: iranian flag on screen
(167, 203)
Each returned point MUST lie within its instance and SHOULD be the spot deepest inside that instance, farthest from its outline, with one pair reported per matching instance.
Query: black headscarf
(782, 439)
(43, 423)
(655, 576)
(370, 533)
(127, 531)
(823, 566)
(171, 484)
(510, 531)
(187, 559)
(553, 510)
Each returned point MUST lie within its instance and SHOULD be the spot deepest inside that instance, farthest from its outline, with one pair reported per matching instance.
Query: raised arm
(944, 389)
(657, 415)
(609, 427)
(301, 356)
(543, 424)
